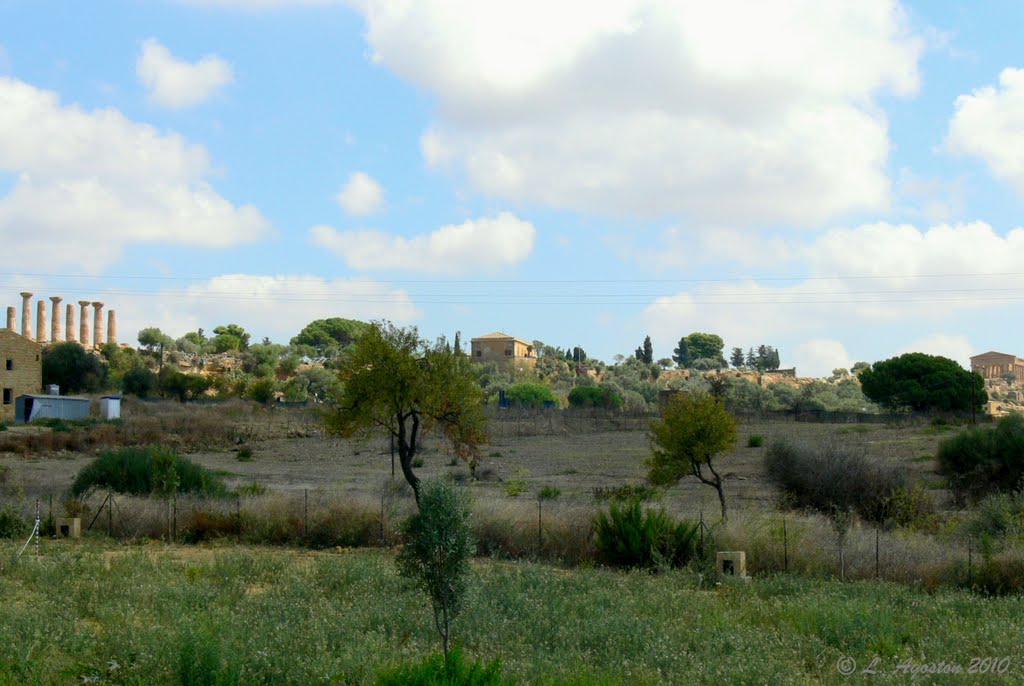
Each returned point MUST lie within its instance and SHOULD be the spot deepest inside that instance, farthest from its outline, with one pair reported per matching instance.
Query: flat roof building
(21, 370)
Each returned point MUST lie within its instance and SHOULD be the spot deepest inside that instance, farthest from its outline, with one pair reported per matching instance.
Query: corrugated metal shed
(30, 407)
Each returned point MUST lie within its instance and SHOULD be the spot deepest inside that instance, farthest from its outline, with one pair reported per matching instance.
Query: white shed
(110, 407)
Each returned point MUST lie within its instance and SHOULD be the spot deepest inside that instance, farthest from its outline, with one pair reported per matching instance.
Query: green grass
(132, 615)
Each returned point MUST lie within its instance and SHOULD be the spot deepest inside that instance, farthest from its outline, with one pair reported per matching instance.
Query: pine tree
(751, 358)
(737, 358)
(681, 354)
(648, 351)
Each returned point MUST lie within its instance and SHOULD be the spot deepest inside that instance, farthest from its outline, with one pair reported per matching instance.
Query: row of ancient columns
(98, 338)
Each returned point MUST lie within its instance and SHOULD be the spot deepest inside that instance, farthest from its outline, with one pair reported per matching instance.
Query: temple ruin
(57, 330)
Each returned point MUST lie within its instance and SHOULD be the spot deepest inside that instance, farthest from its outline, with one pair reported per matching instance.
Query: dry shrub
(508, 529)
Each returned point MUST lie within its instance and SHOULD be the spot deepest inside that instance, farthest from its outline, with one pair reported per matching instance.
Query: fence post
(785, 547)
(305, 512)
(110, 514)
(878, 568)
(970, 562)
(540, 531)
(37, 527)
(174, 519)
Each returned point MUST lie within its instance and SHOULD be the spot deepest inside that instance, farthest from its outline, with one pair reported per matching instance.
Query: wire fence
(557, 531)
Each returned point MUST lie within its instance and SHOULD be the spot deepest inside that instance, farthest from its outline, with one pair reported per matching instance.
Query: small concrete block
(731, 563)
(69, 527)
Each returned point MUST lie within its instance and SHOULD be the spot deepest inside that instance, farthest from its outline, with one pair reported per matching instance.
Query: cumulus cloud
(473, 245)
(958, 348)
(989, 124)
(872, 275)
(275, 306)
(819, 356)
(361, 195)
(89, 183)
(732, 112)
(177, 83)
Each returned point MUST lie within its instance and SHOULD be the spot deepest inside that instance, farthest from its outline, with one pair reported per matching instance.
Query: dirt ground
(575, 460)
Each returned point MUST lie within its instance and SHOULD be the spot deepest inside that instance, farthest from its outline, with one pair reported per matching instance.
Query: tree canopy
(230, 337)
(392, 380)
(694, 428)
(920, 382)
(73, 368)
(323, 333)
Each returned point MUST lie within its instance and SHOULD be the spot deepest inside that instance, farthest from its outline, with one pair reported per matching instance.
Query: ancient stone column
(97, 324)
(111, 327)
(83, 331)
(55, 328)
(26, 315)
(69, 323)
(10, 318)
(41, 321)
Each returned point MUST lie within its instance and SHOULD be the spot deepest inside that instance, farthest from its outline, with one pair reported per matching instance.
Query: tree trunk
(721, 497)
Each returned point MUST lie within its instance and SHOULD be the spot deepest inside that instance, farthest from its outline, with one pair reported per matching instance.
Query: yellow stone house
(21, 370)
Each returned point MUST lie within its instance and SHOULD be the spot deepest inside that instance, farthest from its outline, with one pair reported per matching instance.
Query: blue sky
(843, 180)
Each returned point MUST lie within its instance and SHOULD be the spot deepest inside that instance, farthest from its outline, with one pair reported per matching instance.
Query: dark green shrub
(998, 516)
(131, 471)
(12, 525)
(755, 441)
(245, 454)
(73, 368)
(830, 476)
(983, 460)
(1000, 575)
(438, 670)
(139, 381)
(631, 537)
(592, 396)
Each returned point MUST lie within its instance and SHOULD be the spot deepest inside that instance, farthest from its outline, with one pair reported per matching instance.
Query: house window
(479, 353)
(8, 396)
(10, 364)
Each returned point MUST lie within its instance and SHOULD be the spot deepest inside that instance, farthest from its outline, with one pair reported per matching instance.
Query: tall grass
(84, 613)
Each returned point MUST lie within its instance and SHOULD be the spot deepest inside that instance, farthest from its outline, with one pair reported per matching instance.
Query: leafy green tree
(528, 395)
(196, 338)
(73, 368)
(320, 383)
(737, 358)
(152, 339)
(224, 342)
(392, 380)
(751, 358)
(681, 354)
(261, 390)
(334, 331)
(707, 345)
(920, 382)
(233, 331)
(859, 367)
(692, 431)
(983, 460)
(437, 551)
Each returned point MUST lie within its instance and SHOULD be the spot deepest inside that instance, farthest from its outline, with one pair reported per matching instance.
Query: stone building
(993, 365)
(500, 347)
(22, 370)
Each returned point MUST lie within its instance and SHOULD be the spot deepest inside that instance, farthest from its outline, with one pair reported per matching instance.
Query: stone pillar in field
(97, 324)
(11, 316)
(55, 326)
(111, 327)
(26, 315)
(69, 323)
(41, 321)
(83, 330)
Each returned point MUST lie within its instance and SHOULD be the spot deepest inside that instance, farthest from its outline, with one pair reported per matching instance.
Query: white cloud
(474, 245)
(722, 112)
(896, 276)
(989, 123)
(88, 183)
(176, 83)
(957, 348)
(275, 306)
(819, 356)
(361, 195)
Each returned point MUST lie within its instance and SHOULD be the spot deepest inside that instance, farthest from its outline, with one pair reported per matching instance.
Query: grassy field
(88, 613)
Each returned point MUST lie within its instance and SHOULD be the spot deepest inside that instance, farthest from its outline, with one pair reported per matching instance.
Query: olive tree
(694, 428)
(394, 381)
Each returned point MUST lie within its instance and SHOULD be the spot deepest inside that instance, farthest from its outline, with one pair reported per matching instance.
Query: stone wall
(21, 370)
